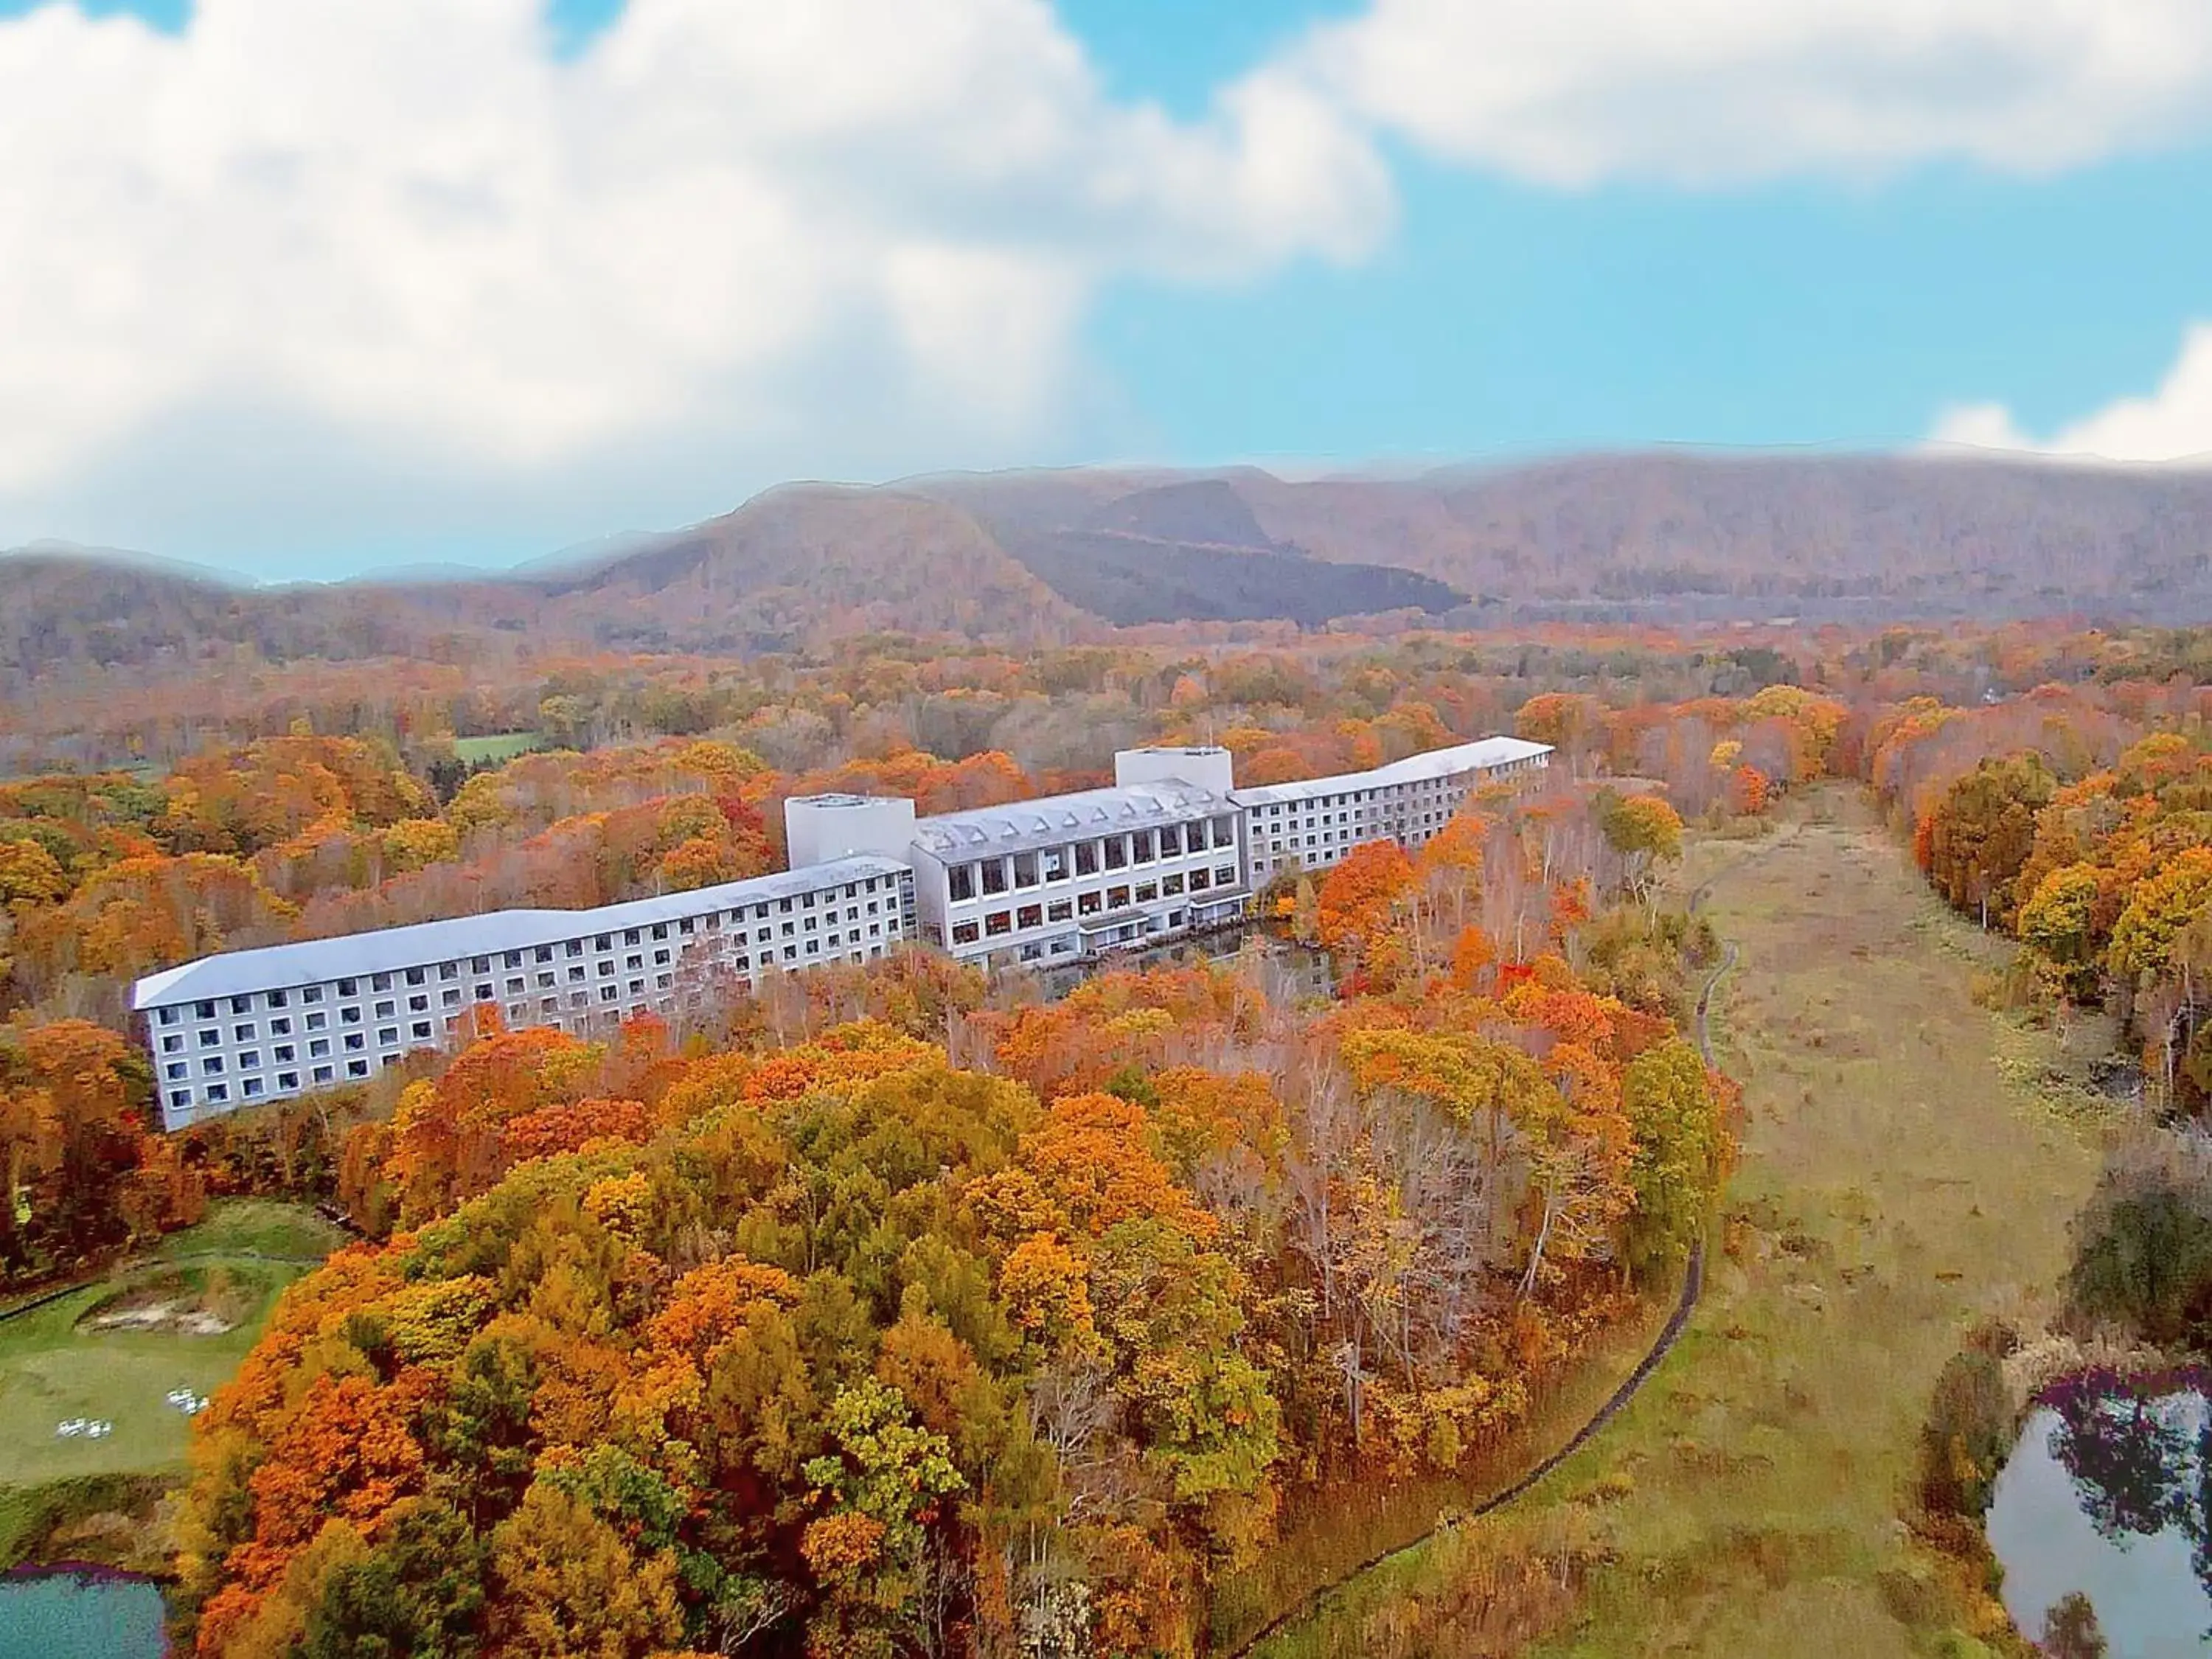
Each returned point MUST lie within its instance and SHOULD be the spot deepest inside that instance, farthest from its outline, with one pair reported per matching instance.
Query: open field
(56, 1365)
(498, 747)
(1911, 1161)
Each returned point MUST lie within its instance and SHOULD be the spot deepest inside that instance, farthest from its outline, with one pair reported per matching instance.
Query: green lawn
(499, 747)
(52, 1370)
(1911, 1162)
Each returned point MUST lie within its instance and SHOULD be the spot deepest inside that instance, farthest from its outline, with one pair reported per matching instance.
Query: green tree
(1680, 1161)
(418, 1595)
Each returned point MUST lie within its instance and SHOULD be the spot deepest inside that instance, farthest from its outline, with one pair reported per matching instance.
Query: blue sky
(302, 368)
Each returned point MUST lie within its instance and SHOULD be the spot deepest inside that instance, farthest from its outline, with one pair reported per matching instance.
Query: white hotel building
(1173, 848)
(249, 1026)
(1317, 822)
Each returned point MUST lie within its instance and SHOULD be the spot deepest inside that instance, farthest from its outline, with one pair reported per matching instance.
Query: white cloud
(742, 231)
(2172, 423)
(1578, 91)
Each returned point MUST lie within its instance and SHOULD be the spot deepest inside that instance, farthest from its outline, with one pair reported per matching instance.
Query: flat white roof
(1052, 819)
(1482, 753)
(350, 956)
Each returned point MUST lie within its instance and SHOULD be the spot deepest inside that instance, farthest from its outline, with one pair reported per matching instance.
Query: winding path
(1693, 1286)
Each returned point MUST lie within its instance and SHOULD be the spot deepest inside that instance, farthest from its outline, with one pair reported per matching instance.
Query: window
(483, 991)
(217, 1093)
(1197, 880)
(1225, 833)
(573, 947)
(387, 1036)
(995, 875)
(211, 1038)
(176, 1071)
(999, 922)
(321, 1075)
(964, 932)
(357, 1068)
(1147, 890)
(379, 983)
(354, 1042)
(242, 1005)
(1224, 877)
(1140, 847)
(449, 970)
(1171, 884)
(1117, 852)
(1087, 904)
(249, 1060)
(252, 1086)
(1170, 841)
(1194, 837)
(385, 1009)
(1086, 858)
(1029, 915)
(318, 1047)
(167, 1016)
(451, 996)
(421, 1028)
(280, 1027)
(1055, 865)
(288, 1079)
(212, 1065)
(1025, 869)
(276, 999)
(170, 1044)
(414, 975)
(204, 1011)
(515, 985)
(1060, 910)
(1116, 897)
(312, 993)
(545, 979)
(282, 1052)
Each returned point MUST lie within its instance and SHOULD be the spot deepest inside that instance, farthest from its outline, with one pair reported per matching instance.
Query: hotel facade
(1173, 848)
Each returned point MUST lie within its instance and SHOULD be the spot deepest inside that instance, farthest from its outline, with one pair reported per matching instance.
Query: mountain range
(1043, 557)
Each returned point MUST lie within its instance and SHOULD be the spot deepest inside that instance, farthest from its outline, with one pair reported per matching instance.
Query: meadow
(59, 1364)
(1911, 1161)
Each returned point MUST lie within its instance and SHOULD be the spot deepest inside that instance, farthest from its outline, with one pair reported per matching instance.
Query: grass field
(498, 747)
(52, 1368)
(1909, 1162)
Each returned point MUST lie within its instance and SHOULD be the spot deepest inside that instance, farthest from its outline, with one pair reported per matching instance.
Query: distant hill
(1036, 558)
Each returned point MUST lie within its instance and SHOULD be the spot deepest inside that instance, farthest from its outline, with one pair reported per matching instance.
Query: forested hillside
(1049, 558)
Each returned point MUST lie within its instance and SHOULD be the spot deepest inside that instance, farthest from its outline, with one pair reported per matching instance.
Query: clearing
(496, 749)
(1911, 1161)
(107, 1357)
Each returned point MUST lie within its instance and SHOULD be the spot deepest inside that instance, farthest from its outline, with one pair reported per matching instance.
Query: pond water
(63, 1615)
(2107, 1497)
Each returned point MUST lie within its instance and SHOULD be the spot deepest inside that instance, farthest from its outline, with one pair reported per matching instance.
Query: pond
(2105, 1499)
(67, 1614)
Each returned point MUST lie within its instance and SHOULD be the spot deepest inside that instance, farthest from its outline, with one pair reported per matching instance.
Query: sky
(305, 288)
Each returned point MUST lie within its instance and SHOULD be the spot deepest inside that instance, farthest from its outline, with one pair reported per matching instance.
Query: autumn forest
(914, 1310)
